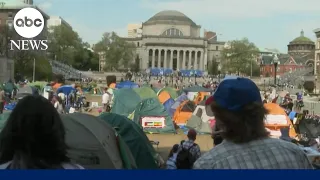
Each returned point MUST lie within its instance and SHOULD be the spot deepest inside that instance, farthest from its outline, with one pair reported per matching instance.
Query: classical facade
(172, 40)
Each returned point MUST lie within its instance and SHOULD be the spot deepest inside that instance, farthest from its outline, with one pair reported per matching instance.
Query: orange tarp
(181, 117)
(275, 109)
(56, 86)
(164, 96)
(200, 97)
(112, 85)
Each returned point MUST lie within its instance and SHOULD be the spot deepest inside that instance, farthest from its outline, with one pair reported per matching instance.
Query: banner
(153, 121)
(159, 174)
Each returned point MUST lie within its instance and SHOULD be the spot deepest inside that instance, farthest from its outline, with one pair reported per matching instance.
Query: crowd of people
(240, 138)
(34, 135)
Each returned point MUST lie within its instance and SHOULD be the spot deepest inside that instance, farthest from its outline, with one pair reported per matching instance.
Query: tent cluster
(174, 107)
(109, 141)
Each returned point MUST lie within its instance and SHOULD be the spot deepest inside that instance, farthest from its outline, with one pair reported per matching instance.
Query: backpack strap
(193, 145)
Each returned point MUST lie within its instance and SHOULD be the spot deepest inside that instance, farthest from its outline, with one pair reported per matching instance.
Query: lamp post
(275, 63)
(219, 72)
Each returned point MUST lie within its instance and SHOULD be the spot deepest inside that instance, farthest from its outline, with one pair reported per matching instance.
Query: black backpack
(185, 159)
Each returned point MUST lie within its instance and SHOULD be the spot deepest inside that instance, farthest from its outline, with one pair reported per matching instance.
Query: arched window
(172, 32)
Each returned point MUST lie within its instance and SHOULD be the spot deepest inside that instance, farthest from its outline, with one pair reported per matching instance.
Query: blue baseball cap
(233, 94)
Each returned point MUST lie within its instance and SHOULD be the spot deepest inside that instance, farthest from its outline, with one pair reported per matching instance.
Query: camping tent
(163, 96)
(151, 107)
(145, 92)
(184, 112)
(172, 92)
(176, 104)
(126, 84)
(92, 142)
(277, 119)
(124, 101)
(3, 118)
(66, 89)
(135, 138)
(25, 91)
(201, 119)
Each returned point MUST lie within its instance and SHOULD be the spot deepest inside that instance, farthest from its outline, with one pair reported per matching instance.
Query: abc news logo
(28, 23)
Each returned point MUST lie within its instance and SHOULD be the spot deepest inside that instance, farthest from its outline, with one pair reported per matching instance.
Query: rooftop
(301, 39)
(170, 17)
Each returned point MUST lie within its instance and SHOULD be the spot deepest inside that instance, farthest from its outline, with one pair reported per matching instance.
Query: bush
(309, 86)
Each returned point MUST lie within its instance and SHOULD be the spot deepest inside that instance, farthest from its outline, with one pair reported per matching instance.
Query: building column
(184, 60)
(195, 64)
(189, 60)
(171, 60)
(178, 59)
(165, 59)
(153, 57)
(201, 61)
(159, 58)
(205, 60)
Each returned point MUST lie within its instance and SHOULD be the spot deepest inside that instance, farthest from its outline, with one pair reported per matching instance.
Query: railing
(67, 71)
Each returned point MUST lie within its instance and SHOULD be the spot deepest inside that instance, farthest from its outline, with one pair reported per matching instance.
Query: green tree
(135, 66)
(213, 67)
(118, 52)
(254, 68)
(85, 59)
(63, 44)
(238, 55)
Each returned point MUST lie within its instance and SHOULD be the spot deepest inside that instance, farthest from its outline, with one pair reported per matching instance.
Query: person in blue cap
(240, 114)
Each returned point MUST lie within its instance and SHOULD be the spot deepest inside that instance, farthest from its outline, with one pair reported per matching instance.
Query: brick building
(300, 54)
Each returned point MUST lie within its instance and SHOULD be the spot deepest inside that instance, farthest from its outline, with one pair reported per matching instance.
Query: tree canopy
(119, 54)
(66, 46)
(239, 56)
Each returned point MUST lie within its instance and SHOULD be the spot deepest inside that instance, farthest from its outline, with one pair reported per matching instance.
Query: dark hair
(174, 149)
(241, 126)
(34, 136)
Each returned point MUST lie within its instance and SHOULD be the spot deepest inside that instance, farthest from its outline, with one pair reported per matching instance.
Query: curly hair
(34, 136)
(241, 126)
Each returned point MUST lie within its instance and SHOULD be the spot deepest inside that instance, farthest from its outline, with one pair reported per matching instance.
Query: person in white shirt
(106, 100)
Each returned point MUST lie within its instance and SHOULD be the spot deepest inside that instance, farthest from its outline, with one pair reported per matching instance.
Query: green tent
(9, 87)
(125, 101)
(152, 107)
(135, 138)
(3, 118)
(173, 93)
(145, 92)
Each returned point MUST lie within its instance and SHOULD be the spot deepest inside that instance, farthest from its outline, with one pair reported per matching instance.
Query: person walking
(240, 114)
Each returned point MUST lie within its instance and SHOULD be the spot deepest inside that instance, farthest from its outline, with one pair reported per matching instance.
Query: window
(10, 15)
(217, 48)
(172, 32)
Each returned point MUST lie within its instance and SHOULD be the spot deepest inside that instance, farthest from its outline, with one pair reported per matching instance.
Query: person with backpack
(106, 100)
(188, 151)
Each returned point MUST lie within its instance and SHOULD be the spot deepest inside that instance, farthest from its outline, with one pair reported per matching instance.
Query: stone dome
(170, 17)
(302, 39)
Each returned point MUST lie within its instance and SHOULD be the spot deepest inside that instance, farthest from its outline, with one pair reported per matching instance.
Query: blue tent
(176, 104)
(66, 89)
(167, 105)
(126, 84)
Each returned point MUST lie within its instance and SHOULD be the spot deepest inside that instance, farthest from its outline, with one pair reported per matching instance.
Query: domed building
(302, 47)
(172, 40)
